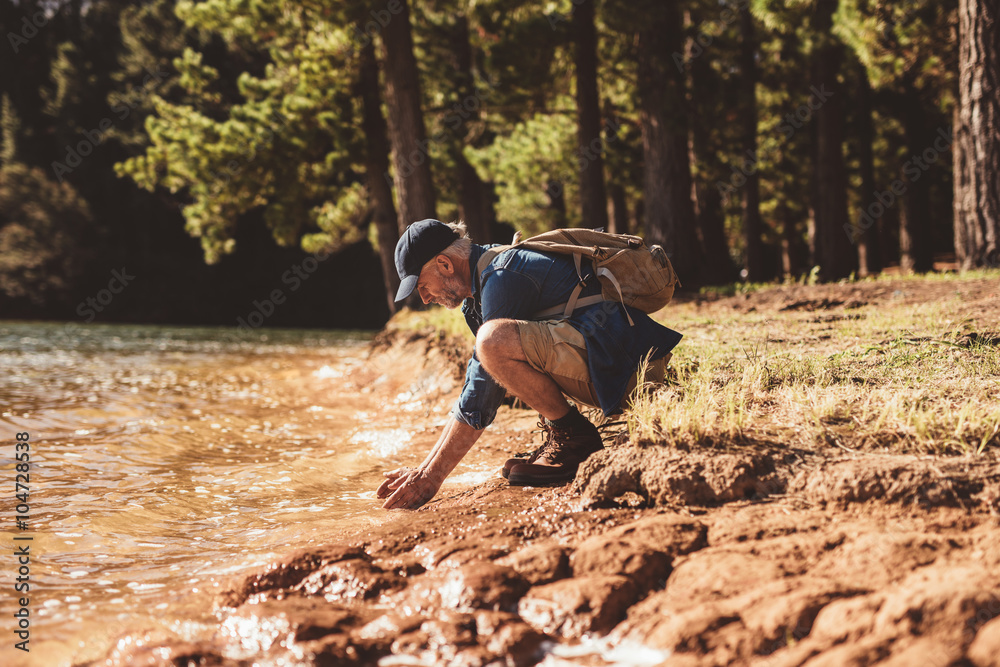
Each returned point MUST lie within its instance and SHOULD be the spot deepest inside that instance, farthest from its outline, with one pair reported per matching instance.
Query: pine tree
(785, 156)
(407, 131)
(458, 97)
(527, 139)
(670, 219)
(907, 53)
(290, 147)
(43, 246)
(708, 88)
(152, 37)
(977, 135)
(590, 145)
(376, 166)
(752, 222)
(835, 255)
(870, 240)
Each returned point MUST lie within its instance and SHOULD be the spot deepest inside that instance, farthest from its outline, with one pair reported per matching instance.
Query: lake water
(165, 459)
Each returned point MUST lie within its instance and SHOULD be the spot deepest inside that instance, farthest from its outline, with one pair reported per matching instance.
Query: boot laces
(551, 444)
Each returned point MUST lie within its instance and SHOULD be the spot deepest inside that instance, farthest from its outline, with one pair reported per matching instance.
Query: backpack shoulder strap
(563, 242)
(492, 253)
(489, 256)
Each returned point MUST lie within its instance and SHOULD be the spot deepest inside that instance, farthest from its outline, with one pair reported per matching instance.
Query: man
(592, 356)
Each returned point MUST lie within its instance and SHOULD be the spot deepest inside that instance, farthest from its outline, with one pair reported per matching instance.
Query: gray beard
(453, 289)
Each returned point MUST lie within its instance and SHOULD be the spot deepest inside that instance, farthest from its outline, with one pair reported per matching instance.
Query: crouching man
(591, 357)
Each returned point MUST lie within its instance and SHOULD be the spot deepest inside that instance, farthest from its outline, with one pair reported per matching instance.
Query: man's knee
(494, 339)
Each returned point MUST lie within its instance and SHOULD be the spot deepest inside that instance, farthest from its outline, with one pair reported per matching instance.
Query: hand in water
(410, 488)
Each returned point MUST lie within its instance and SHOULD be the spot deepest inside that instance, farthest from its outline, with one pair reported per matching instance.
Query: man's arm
(412, 488)
(476, 407)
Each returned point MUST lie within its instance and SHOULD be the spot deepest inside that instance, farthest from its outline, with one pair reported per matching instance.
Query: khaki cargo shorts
(555, 348)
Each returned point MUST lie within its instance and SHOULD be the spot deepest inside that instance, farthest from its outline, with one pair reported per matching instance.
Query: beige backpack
(629, 272)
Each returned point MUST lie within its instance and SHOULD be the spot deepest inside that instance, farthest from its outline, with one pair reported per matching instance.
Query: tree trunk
(915, 215)
(794, 250)
(867, 226)
(498, 232)
(836, 255)
(557, 203)
(753, 226)
(618, 215)
(670, 219)
(472, 200)
(474, 206)
(590, 143)
(410, 150)
(718, 267)
(376, 166)
(977, 136)
(638, 215)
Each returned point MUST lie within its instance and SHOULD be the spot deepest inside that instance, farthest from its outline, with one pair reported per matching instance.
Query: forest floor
(817, 483)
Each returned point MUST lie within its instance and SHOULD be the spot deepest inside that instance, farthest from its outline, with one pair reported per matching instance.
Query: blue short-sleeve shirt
(519, 283)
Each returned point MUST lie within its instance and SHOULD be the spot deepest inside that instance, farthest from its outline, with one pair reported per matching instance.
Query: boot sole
(510, 463)
(521, 479)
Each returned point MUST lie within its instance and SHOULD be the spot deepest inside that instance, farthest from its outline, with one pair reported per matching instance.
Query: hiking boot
(557, 460)
(510, 463)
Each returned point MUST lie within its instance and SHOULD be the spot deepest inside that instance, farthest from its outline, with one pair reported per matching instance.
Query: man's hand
(410, 488)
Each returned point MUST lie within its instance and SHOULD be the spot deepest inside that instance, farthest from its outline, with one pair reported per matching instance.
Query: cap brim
(406, 287)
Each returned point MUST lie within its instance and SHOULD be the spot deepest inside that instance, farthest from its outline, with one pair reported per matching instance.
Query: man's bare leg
(498, 346)
(571, 438)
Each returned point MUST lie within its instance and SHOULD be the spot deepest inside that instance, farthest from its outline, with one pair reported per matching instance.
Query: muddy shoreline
(763, 555)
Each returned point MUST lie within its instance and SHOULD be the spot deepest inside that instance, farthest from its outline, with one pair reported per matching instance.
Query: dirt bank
(765, 553)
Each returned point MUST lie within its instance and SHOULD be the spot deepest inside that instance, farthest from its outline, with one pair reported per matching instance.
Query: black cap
(418, 245)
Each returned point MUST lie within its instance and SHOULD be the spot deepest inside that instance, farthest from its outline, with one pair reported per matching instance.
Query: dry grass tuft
(876, 372)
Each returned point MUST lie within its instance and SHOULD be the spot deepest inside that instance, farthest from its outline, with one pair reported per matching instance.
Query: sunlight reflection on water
(165, 459)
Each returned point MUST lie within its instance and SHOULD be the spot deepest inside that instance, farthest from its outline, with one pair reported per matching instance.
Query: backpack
(629, 271)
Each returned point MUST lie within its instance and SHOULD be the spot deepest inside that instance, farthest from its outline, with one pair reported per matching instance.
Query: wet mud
(697, 556)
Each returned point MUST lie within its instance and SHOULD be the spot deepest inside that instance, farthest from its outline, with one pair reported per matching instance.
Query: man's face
(437, 285)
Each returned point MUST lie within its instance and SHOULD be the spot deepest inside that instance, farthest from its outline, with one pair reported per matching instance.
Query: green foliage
(10, 126)
(524, 52)
(80, 76)
(538, 152)
(337, 220)
(43, 235)
(290, 147)
(152, 36)
(242, 112)
(896, 40)
(519, 67)
(785, 187)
